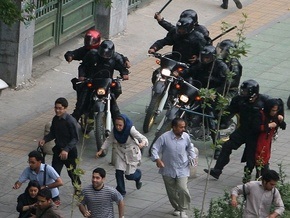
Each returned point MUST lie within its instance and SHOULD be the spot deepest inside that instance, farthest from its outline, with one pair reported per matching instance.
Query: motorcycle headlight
(165, 72)
(101, 91)
(184, 98)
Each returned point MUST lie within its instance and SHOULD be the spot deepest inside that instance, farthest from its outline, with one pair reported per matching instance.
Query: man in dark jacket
(187, 13)
(248, 105)
(65, 133)
(184, 39)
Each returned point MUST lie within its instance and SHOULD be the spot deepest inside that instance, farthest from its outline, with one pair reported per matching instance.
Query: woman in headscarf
(127, 142)
(271, 120)
(26, 202)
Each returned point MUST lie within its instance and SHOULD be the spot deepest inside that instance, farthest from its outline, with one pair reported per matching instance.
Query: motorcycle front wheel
(164, 128)
(99, 130)
(86, 124)
(151, 113)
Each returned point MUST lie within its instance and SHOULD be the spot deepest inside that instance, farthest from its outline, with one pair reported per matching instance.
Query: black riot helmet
(207, 55)
(249, 89)
(106, 49)
(190, 14)
(223, 48)
(184, 26)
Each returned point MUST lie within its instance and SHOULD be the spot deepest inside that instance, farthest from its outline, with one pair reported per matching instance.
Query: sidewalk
(24, 112)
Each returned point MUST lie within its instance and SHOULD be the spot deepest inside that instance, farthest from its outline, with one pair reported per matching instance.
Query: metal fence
(133, 4)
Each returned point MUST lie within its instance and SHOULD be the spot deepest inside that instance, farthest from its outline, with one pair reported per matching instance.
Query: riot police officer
(209, 71)
(94, 63)
(187, 13)
(247, 105)
(223, 51)
(184, 39)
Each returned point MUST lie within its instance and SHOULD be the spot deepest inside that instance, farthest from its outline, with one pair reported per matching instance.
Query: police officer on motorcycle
(224, 52)
(247, 105)
(187, 13)
(209, 71)
(184, 39)
(94, 63)
(92, 40)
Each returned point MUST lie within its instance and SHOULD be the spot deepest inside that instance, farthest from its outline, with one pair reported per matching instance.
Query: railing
(133, 4)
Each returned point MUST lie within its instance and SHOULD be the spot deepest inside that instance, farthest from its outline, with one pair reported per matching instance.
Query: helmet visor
(106, 53)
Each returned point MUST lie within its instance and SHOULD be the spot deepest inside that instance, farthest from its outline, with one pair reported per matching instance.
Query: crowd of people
(173, 152)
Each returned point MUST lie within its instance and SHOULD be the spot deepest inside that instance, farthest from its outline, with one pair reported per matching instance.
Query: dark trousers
(121, 182)
(70, 163)
(237, 138)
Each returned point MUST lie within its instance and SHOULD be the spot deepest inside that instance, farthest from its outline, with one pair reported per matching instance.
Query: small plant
(284, 189)
(221, 207)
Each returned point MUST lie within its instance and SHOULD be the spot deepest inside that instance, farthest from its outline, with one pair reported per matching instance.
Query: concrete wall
(16, 42)
(111, 21)
(8, 52)
(16, 50)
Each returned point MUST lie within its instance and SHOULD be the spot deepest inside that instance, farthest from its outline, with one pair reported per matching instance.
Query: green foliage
(9, 13)
(284, 189)
(221, 207)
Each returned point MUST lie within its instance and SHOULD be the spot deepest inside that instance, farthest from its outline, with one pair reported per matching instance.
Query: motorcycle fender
(159, 87)
(99, 106)
(172, 113)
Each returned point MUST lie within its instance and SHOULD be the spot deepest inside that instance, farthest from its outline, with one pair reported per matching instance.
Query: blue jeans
(121, 182)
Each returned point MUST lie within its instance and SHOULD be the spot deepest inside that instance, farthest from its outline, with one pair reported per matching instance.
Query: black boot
(225, 3)
(213, 172)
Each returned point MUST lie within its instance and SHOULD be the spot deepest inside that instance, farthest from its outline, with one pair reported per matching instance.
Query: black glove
(283, 125)
(74, 83)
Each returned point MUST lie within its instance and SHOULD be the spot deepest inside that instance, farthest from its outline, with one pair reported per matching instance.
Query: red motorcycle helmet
(92, 39)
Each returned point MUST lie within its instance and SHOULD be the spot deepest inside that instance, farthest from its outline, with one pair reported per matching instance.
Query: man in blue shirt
(177, 152)
(45, 174)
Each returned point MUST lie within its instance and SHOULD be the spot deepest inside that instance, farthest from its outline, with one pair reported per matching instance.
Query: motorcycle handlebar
(90, 79)
(159, 56)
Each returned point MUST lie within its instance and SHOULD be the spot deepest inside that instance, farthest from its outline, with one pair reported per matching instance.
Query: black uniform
(187, 45)
(200, 28)
(92, 67)
(235, 67)
(247, 132)
(202, 72)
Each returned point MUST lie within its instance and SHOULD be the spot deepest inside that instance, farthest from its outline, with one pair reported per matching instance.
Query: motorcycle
(98, 117)
(200, 126)
(187, 98)
(160, 94)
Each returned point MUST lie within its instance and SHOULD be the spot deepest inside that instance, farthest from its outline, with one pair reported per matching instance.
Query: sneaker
(183, 214)
(224, 6)
(213, 173)
(238, 4)
(138, 185)
(176, 213)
